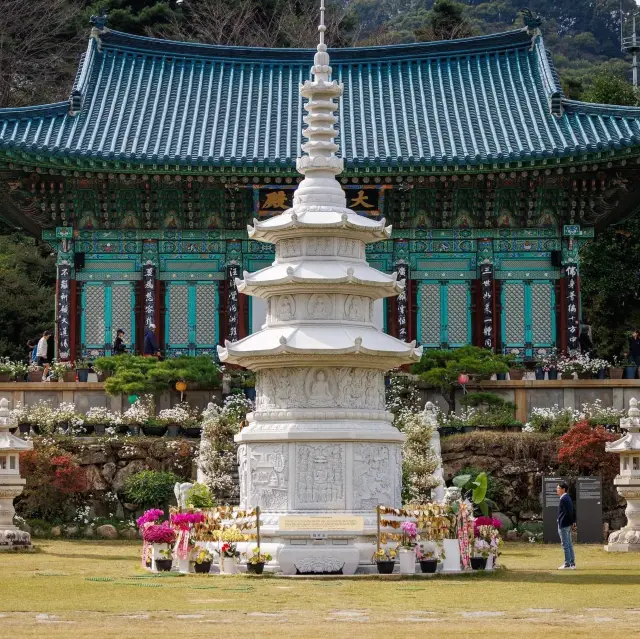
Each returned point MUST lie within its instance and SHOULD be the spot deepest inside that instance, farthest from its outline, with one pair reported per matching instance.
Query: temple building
(145, 179)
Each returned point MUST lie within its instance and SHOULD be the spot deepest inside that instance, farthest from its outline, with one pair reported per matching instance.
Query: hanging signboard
(486, 278)
(403, 302)
(233, 271)
(149, 286)
(573, 320)
(64, 313)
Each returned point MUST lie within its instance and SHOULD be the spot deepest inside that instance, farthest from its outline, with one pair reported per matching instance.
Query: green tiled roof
(485, 100)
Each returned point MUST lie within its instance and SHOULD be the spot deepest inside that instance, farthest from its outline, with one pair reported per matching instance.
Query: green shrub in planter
(150, 488)
(199, 496)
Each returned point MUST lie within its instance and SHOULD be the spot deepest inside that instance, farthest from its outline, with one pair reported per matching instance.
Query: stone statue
(430, 418)
(180, 491)
(320, 392)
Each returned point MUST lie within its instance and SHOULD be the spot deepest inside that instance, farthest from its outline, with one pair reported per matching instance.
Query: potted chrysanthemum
(385, 559)
(203, 561)
(257, 560)
(428, 558)
(164, 560)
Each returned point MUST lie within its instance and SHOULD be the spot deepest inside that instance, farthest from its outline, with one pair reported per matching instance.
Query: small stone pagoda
(11, 484)
(320, 441)
(628, 481)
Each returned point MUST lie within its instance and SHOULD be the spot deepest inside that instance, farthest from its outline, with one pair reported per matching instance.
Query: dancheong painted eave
(487, 100)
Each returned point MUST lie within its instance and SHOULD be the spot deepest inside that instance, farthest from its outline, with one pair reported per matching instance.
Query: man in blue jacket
(566, 519)
(150, 342)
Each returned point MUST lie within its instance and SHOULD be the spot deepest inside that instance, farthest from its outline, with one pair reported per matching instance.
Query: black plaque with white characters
(589, 510)
(64, 312)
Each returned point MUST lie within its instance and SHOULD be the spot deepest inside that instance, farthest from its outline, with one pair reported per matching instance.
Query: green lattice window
(191, 318)
(106, 307)
(444, 314)
(528, 316)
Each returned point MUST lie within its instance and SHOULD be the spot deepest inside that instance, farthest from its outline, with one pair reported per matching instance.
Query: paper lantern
(181, 387)
(463, 379)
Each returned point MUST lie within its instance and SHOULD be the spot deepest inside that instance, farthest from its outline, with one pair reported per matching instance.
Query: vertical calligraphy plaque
(149, 288)
(486, 285)
(571, 300)
(233, 271)
(64, 312)
(589, 509)
(402, 302)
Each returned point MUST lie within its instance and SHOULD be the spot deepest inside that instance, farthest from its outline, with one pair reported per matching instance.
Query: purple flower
(409, 528)
(149, 517)
(159, 533)
(185, 520)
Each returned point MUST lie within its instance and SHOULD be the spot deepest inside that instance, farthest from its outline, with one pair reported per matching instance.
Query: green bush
(133, 375)
(492, 486)
(150, 488)
(199, 496)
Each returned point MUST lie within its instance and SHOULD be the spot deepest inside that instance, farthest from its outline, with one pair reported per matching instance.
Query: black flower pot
(99, 429)
(193, 431)
(553, 374)
(385, 567)
(154, 431)
(445, 431)
(133, 430)
(173, 430)
(203, 567)
(501, 377)
(24, 429)
(89, 429)
(630, 372)
(478, 563)
(428, 565)
(256, 569)
(539, 373)
(83, 374)
(602, 374)
(250, 393)
(164, 565)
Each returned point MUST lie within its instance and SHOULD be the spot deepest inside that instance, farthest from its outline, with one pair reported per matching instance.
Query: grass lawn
(98, 589)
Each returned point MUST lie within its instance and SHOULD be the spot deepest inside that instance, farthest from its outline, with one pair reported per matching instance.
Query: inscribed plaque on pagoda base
(324, 523)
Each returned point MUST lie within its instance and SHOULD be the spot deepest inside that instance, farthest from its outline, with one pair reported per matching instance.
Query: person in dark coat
(566, 519)
(634, 347)
(150, 342)
(586, 345)
(118, 345)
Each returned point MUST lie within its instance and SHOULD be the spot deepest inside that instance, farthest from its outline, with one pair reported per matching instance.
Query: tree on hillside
(608, 88)
(39, 48)
(448, 21)
(141, 17)
(27, 291)
(265, 23)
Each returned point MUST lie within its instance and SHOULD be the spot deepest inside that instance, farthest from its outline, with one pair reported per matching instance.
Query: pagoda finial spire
(320, 166)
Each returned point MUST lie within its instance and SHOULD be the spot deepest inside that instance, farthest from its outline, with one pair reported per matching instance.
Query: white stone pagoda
(319, 441)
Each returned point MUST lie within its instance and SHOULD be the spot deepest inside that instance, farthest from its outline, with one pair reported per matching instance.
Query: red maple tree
(583, 450)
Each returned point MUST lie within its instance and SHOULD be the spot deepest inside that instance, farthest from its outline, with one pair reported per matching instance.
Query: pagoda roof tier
(293, 345)
(308, 220)
(318, 276)
(460, 103)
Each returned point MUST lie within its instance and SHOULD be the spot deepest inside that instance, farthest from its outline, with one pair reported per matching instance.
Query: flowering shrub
(419, 461)
(598, 415)
(402, 396)
(583, 451)
(56, 484)
(186, 520)
(41, 416)
(236, 407)
(554, 420)
(177, 415)
(229, 550)
(140, 411)
(159, 534)
(149, 516)
(100, 415)
(581, 363)
(66, 419)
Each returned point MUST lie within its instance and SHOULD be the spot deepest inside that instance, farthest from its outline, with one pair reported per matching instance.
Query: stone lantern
(628, 482)
(11, 484)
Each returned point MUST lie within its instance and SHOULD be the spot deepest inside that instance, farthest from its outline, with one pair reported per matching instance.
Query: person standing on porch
(42, 353)
(566, 520)
(150, 342)
(634, 347)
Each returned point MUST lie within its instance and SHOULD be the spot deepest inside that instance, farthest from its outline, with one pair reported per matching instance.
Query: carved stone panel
(350, 248)
(320, 306)
(356, 308)
(320, 476)
(268, 476)
(375, 469)
(320, 246)
(289, 248)
(299, 387)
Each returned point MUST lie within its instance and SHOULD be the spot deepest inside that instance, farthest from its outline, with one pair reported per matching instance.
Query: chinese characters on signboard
(149, 285)
(272, 201)
(403, 302)
(486, 279)
(64, 313)
(233, 271)
(573, 319)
